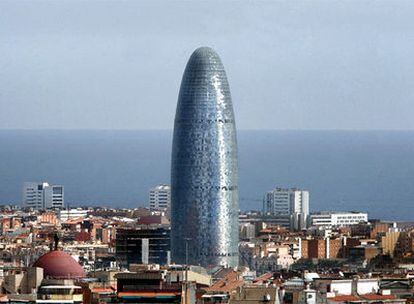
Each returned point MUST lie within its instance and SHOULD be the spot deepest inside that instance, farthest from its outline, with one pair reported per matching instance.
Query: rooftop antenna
(56, 241)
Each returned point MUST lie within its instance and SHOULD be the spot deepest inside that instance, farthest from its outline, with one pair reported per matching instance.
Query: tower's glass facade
(204, 193)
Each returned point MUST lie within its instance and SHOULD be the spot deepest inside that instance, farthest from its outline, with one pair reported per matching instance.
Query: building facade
(338, 219)
(143, 246)
(288, 202)
(41, 196)
(204, 170)
(67, 214)
(160, 198)
(321, 248)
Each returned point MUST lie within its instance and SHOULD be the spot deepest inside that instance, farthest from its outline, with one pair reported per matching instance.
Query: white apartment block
(338, 219)
(67, 214)
(41, 196)
(160, 198)
(293, 202)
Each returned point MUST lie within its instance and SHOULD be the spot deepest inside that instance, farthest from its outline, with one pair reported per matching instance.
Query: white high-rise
(160, 198)
(290, 202)
(41, 196)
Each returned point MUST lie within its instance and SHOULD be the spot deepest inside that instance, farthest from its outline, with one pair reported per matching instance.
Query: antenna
(56, 241)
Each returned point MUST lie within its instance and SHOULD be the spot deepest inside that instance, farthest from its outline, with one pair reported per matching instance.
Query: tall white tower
(43, 196)
(160, 198)
(290, 202)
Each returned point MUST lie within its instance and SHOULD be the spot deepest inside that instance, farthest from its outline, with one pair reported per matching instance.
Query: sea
(370, 171)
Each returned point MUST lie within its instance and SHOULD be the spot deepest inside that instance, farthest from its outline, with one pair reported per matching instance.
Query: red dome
(59, 265)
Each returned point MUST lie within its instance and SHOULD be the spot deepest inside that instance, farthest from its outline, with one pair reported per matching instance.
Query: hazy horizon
(343, 170)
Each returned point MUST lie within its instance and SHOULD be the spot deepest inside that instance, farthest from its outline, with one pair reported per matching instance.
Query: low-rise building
(321, 248)
(255, 294)
(68, 214)
(337, 219)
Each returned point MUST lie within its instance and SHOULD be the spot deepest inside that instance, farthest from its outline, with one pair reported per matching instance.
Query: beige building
(23, 282)
(389, 242)
(255, 294)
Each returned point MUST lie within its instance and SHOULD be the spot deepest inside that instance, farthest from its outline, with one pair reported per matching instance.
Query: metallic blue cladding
(204, 178)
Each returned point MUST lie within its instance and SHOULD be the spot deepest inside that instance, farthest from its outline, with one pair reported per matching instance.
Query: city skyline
(121, 184)
(293, 65)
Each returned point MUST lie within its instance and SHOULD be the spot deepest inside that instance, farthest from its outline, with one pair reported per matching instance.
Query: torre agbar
(204, 192)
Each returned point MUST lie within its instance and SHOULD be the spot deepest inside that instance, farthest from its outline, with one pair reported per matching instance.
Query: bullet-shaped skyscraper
(204, 178)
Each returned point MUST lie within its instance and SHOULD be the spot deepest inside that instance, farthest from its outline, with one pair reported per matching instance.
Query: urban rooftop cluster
(286, 254)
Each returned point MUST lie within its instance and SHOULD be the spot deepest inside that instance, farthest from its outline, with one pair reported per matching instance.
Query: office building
(160, 198)
(41, 196)
(337, 219)
(288, 202)
(282, 201)
(204, 191)
(143, 245)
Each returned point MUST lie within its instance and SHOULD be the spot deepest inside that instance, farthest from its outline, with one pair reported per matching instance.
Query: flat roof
(61, 287)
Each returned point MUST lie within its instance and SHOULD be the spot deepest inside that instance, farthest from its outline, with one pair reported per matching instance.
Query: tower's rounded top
(205, 57)
(204, 90)
(204, 51)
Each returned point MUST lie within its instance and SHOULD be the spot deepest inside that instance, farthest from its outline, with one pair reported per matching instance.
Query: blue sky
(290, 64)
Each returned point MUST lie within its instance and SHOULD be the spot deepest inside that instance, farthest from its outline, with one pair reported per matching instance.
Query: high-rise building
(282, 201)
(204, 192)
(41, 196)
(290, 202)
(160, 198)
